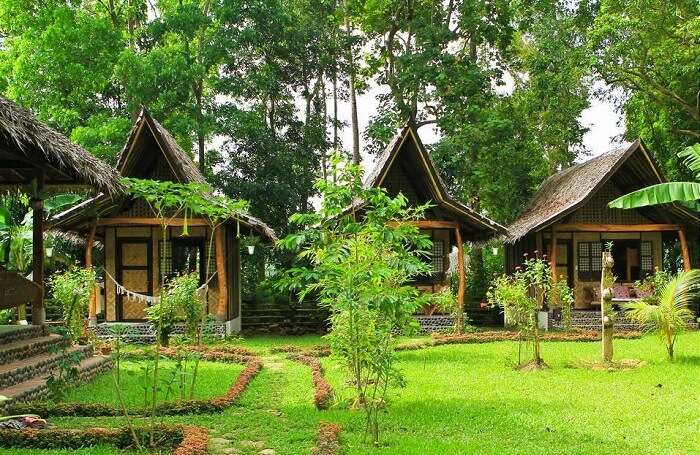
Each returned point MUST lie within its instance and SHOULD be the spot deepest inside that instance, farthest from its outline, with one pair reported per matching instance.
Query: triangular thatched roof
(136, 160)
(407, 151)
(27, 145)
(180, 163)
(564, 192)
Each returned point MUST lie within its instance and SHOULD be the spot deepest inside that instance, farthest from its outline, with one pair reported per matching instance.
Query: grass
(213, 379)
(96, 450)
(469, 399)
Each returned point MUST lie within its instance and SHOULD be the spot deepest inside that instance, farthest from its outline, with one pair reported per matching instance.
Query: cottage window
(590, 261)
(184, 255)
(438, 257)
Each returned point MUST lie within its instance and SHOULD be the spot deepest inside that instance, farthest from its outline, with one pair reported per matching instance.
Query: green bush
(71, 290)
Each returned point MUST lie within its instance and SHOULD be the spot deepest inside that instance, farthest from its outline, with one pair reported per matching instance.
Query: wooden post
(462, 280)
(553, 256)
(221, 272)
(37, 203)
(606, 311)
(684, 250)
(92, 306)
(235, 253)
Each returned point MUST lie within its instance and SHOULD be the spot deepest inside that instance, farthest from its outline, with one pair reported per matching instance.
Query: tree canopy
(255, 89)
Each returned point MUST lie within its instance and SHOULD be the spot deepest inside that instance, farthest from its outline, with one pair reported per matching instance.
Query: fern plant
(666, 313)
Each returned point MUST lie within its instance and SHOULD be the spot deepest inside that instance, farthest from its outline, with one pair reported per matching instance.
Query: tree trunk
(200, 127)
(353, 95)
(607, 317)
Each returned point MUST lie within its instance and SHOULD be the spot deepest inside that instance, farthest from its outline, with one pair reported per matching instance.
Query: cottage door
(564, 259)
(134, 263)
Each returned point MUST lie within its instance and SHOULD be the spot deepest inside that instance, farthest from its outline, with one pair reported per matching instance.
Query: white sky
(605, 125)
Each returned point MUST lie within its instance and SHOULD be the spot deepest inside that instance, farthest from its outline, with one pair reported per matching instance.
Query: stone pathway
(228, 444)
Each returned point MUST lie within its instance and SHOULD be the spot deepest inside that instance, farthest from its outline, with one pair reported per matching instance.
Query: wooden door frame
(119, 269)
(570, 257)
(570, 260)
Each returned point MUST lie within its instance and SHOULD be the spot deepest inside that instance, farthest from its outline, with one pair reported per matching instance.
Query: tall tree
(647, 53)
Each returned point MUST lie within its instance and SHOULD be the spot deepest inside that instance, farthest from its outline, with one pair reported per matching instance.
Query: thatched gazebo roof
(29, 148)
(630, 167)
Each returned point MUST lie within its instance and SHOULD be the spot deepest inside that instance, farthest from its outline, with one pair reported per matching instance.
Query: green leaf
(663, 193)
(691, 158)
(5, 216)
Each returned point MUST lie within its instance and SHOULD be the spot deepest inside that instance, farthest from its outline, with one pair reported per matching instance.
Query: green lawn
(467, 399)
(97, 450)
(212, 379)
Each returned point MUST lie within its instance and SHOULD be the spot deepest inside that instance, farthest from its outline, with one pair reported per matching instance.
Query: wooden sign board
(16, 290)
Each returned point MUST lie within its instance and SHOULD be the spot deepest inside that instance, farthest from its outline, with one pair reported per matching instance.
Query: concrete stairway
(28, 355)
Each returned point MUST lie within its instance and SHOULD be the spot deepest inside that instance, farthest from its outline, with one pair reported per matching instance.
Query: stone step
(22, 349)
(35, 387)
(12, 333)
(40, 365)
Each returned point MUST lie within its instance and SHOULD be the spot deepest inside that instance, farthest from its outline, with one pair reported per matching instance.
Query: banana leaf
(691, 158)
(662, 193)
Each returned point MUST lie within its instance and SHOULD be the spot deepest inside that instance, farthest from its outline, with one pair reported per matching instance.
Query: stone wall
(143, 332)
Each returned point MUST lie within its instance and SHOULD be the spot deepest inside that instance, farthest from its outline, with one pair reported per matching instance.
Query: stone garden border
(253, 365)
(323, 392)
(185, 439)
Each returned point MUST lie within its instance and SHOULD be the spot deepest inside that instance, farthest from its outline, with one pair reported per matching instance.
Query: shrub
(184, 440)
(72, 289)
(522, 295)
(666, 311)
(359, 265)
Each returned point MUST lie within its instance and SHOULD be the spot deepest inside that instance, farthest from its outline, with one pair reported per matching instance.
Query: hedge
(505, 335)
(323, 392)
(185, 440)
(222, 354)
(316, 350)
(327, 439)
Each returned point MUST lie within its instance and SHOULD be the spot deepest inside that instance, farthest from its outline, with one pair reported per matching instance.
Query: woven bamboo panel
(139, 209)
(133, 309)
(161, 171)
(137, 281)
(596, 210)
(135, 254)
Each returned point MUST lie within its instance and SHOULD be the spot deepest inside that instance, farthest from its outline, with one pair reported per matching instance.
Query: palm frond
(647, 314)
(691, 158)
(671, 315)
(662, 193)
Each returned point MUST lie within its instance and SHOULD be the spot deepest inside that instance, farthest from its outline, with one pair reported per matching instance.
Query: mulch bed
(327, 439)
(323, 392)
(202, 406)
(613, 365)
(504, 335)
(184, 440)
